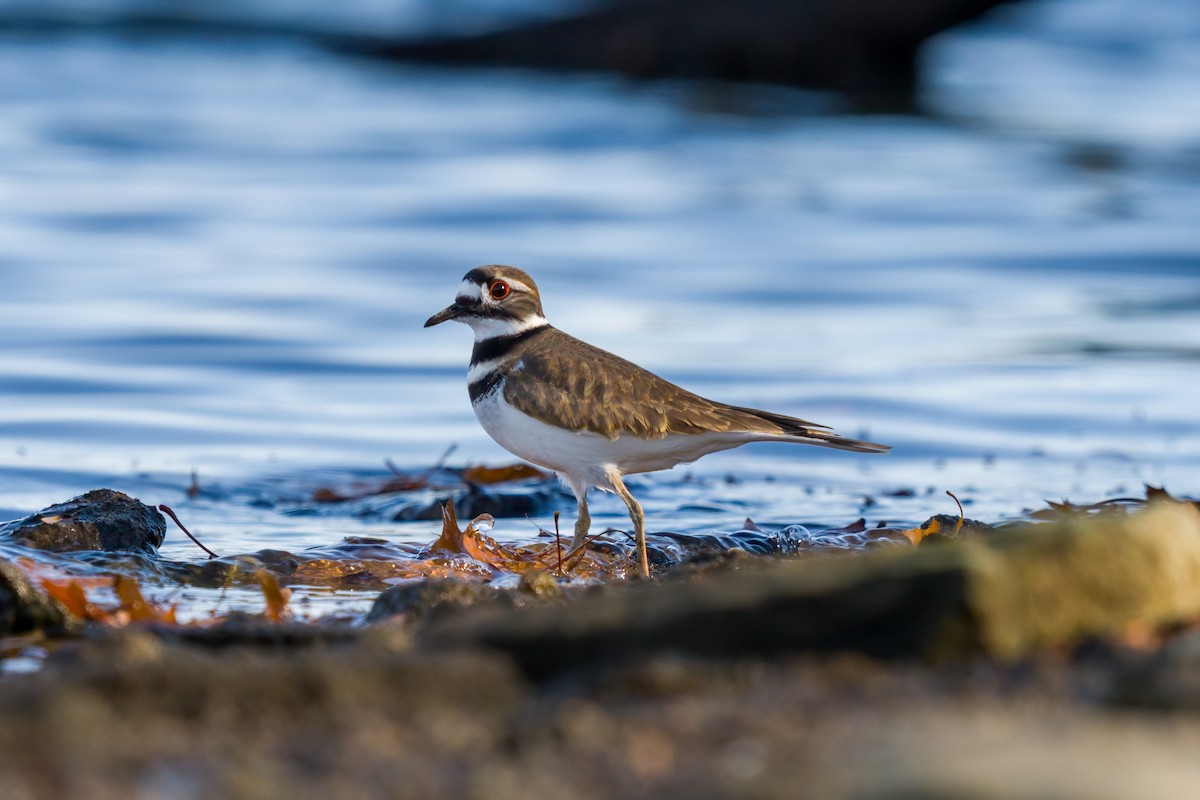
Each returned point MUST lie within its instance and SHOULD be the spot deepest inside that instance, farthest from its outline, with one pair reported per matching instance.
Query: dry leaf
(915, 535)
(513, 472)
(276, 597)
(134, 604)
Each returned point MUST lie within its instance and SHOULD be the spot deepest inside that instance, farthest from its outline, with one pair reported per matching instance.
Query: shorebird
(588, 415)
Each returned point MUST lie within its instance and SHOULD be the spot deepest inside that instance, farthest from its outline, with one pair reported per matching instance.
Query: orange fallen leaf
(276, 597)
(915, 535)
(134, 605)
(513, 472)
(73, 598)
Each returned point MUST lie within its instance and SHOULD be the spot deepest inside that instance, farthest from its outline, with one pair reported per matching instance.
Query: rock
(865, 49)
(207, 720)
(418, 598)
(25, 608)
(102, 519)
(1045, 585)
(944, 527)
(1005, 595)
(883, 607)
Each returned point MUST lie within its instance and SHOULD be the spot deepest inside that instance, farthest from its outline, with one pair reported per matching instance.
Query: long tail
(812, 433)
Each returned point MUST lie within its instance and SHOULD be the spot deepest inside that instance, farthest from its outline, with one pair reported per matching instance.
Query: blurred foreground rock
(865, 49)
(129, 713)
(1005, 596)
(102, 519)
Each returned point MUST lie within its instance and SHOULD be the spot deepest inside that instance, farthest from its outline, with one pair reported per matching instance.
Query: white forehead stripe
(469, 291)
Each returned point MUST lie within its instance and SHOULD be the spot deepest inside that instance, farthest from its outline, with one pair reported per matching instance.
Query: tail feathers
(825, 439)
(813, 433)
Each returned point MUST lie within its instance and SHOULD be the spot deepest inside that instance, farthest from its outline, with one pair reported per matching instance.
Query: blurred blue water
(219, 258)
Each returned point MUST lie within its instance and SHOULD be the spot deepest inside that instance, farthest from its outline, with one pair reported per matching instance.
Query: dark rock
(418, 598)
(865, 49)
(25, 608)
(946, 527)
(889, 609)
(252, 630)
(99, 520)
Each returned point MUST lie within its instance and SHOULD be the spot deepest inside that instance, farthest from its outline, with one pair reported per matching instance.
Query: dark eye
(499, 290)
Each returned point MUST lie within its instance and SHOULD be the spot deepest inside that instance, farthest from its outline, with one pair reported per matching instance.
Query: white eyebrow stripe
(470, 291)
(516, 286)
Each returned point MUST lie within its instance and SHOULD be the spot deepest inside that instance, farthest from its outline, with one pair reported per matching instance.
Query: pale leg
(583, 522)
(639, 521)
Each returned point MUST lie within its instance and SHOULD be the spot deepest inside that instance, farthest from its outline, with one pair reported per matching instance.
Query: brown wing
(570, 383)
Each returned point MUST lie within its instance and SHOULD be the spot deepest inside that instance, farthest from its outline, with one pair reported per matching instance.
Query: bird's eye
(499, 290)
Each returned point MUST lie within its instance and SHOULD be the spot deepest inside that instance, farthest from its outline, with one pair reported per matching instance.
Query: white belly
(586, 459)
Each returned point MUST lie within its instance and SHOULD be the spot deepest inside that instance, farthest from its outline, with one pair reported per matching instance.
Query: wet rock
(419, 598)
(1004, 595)
(102, 519)
(25, 608)
(945, 527)
(862, 48)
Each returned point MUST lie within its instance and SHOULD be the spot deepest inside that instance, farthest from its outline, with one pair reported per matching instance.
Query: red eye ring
(499, 290)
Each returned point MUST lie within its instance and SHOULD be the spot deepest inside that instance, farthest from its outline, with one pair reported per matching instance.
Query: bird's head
(495, 300)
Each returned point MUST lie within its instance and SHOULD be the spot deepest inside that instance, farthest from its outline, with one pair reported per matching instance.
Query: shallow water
(218, 258)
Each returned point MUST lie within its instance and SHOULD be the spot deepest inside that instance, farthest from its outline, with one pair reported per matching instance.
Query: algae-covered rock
(1052, 584)
(539, 583)
(102, 519)
(24, 608)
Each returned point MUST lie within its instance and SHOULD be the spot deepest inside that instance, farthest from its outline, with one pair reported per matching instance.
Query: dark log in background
(864, 49)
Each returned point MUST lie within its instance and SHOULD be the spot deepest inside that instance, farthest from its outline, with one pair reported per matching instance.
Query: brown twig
(961, 516)
(558, 545)
(581, 550)
(167, 510)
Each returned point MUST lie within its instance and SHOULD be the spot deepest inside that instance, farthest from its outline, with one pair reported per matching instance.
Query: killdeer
(588, 415)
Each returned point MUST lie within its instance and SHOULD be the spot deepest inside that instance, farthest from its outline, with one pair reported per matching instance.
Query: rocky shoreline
(1046, 660)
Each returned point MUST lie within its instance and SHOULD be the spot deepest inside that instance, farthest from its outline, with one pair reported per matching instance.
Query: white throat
(486, 328)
